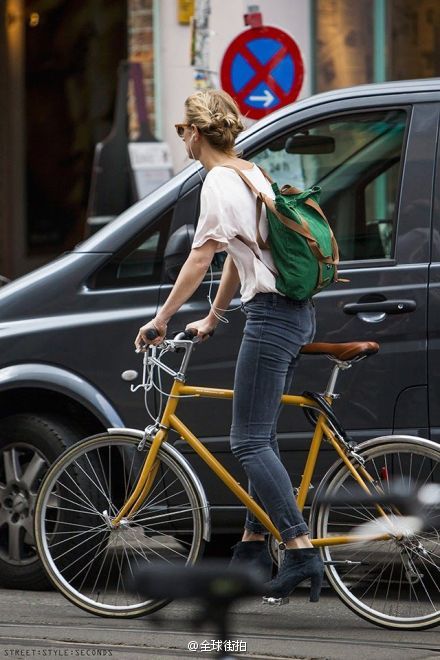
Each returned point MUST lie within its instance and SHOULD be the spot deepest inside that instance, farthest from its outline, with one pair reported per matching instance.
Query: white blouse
(227, 210)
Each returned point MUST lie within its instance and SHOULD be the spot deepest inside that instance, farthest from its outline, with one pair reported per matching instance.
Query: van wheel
(29, 443)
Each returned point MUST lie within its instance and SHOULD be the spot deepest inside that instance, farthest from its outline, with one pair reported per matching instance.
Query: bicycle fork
(143, 485)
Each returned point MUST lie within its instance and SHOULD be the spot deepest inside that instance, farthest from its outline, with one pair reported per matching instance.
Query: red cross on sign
(263, 70)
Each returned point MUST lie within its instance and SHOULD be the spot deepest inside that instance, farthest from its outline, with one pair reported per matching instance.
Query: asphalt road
(44, 624)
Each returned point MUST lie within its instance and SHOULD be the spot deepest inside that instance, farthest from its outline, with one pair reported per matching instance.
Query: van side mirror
(177, 250)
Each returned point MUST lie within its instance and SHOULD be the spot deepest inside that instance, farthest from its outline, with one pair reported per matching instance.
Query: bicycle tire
(169, 526)
(392, 583)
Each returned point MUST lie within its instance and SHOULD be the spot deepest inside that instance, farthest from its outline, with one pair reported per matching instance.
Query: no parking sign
(263, 70)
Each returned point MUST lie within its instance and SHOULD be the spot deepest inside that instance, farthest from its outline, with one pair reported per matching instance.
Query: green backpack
(302, 244)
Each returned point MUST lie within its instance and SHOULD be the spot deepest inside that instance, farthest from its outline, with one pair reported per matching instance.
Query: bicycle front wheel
(393, 583)
(88, 560)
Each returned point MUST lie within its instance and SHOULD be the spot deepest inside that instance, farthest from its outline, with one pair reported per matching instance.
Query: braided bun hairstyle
(217, 117)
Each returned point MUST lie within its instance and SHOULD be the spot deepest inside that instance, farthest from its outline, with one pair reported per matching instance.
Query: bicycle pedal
(277, 602)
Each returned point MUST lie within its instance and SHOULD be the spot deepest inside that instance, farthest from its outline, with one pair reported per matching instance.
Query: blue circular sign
(263, 70)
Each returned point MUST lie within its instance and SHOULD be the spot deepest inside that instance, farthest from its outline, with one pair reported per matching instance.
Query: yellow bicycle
(125, 498)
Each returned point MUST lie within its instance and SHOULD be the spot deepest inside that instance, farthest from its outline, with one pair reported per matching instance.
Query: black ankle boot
(255, 555)
(298, 565)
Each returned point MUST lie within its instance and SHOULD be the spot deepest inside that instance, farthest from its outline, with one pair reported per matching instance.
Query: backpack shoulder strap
(244, 178)
(242, 240)
(265, 174)
(261, 197)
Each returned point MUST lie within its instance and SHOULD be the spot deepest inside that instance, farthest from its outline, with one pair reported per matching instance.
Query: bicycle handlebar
(191, 333)
(185, 335)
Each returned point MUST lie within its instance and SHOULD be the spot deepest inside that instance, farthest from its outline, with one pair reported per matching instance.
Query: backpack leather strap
(259, 202)
(303, 230)
(274, 272)
(291, 190)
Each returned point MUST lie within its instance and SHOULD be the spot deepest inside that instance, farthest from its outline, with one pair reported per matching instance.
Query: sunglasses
(180, 128)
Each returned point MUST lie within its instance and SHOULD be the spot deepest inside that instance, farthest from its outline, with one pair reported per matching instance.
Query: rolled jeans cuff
(255, 527)
(292, 532)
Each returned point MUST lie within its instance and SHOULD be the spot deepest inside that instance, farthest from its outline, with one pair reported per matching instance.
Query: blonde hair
(216, 115)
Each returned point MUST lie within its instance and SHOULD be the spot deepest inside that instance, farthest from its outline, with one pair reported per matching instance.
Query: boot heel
(315, 587)
(299, 564)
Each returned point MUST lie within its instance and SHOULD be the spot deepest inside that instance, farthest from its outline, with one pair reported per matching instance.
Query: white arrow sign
(267, 98)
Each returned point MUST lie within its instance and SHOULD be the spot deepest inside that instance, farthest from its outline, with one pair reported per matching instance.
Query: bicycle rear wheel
(392, 583)
(92, 563)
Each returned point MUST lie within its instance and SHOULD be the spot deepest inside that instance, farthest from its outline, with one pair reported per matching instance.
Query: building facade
(59, 88)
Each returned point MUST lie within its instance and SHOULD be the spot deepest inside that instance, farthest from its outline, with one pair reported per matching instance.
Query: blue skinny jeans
(276, 329)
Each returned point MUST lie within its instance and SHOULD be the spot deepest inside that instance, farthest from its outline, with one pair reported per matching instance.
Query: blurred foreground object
(410, 511)
(214, 583)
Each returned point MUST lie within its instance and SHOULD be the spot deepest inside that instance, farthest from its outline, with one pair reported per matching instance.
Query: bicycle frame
(171, 421)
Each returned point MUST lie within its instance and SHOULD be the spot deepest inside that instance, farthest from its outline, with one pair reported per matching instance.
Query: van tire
(29, 443)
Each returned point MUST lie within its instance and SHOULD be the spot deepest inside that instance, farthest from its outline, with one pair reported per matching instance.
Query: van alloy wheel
(29, 443)
(21, 470)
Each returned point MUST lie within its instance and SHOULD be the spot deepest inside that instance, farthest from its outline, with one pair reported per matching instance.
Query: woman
(276, 328)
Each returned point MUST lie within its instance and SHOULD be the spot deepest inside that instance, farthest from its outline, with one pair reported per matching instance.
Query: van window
(139, 263)
(356, 160)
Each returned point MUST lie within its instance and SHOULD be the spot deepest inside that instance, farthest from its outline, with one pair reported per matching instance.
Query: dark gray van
(67, 330)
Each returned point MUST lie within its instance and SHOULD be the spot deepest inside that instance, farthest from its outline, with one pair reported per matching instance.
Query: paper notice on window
(151, 165)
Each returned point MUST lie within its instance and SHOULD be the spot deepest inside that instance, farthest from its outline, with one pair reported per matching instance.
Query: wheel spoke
(91, 506)
(76, 546)
(164, 545)
(84, 532)
(98, 573)
(27, 524)
(14, 541)
(64, 569)
(12, 465)
(80, 507)
(36, 466)
(142, 554)
(70, 524)
(96, 484)
(168, 514)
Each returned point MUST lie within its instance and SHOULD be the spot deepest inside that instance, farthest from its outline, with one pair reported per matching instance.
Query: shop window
(413, 39)
(344, 43)
(72, 53)
(347, 34)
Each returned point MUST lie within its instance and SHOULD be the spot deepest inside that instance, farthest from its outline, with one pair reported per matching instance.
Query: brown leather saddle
(342, 351)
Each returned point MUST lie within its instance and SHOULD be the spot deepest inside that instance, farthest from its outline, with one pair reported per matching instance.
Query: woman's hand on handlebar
(153, 332)
(205, 327)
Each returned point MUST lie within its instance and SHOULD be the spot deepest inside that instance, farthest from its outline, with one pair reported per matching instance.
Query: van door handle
(381, 307)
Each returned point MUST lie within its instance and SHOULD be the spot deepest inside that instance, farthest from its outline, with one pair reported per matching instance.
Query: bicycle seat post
(331, 385)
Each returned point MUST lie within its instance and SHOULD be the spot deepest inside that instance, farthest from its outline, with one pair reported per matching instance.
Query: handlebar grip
(190, 333)
(152, 333)
(185, 334)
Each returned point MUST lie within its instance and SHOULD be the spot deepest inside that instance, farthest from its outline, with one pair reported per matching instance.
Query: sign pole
(200, 45)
